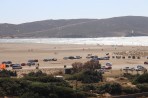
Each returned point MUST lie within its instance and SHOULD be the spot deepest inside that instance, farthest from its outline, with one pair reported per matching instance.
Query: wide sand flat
(21, 53)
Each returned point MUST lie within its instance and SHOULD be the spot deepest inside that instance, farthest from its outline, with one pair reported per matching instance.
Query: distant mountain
(78, 28)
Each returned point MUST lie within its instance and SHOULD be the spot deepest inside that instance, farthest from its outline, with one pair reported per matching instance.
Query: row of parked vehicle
(49, 59)
(14, 66)
(72, 57)
(95, 58)
(137, 68)
(19, 66)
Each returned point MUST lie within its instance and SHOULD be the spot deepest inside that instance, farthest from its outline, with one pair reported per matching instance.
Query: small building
(67, 70)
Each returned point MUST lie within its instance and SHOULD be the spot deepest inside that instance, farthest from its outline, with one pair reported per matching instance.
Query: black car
(16, 66)
(30, 63)
(7, 63)
(35, 60)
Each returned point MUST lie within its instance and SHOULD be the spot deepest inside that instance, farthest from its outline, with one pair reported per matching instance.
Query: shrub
(37, 87)
(130, 90)
(87, 76)
(7, 73)
(91, 65)
(30, 95)
(10, 86)
(37, 74)
(77, 67)
(130, 76)
(91, 77)
(112, 88)
(142, 78)
(88, 87)
(143, 87)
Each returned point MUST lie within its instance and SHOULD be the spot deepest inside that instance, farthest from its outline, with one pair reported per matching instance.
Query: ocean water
(134, 41)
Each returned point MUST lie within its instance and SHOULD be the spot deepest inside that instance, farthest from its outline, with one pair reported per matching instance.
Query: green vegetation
(131, 77)
(87, 77)
(86, 73)
(130, 90)
(142, 78)
(37, 85)
(143, 87)
(112, 88)
(7, 73)
(141, 82)
(85, 81)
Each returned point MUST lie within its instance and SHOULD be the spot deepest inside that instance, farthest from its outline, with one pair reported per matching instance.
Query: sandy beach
(21, 53)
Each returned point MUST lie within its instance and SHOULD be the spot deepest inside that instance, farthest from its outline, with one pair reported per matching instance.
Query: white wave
(134, 41)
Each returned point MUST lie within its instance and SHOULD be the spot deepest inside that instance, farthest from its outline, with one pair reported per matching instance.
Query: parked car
(35, 60)
(70, 57)
(78, 57)
(104, 58)
(94, 59)
(7, 63)
(139, 68)
(16, 66)
(129, 68)
(50, 59)
(65, 58)
(23, 64)
(108, 64)
(31, 63)
(108, 67)
(146, 62)
(91, 56)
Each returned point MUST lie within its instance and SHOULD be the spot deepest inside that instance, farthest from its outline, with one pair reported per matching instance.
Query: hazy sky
(20, 11)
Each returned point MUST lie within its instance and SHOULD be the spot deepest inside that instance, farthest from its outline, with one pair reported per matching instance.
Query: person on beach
(37, 66)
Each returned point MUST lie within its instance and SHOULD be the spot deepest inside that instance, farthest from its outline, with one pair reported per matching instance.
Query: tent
(2, 66)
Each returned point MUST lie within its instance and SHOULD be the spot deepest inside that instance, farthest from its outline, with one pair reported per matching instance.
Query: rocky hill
(75, 28)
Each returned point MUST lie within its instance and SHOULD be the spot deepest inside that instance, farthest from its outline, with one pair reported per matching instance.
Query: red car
(23, 64)
(146, 62)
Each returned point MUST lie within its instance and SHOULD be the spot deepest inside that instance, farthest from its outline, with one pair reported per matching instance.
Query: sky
(21, 11)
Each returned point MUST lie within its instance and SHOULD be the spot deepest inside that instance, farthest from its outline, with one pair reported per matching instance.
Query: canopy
(2, 66)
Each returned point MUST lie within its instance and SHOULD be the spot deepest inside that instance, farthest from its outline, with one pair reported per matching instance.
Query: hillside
(111, 27)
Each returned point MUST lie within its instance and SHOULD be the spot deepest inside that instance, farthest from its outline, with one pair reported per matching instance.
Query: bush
(30, 95)
(77, 67)
(112, 88)
(90, 95)
(130, 90)
(92, 65)
(37, 87)
(88, 87)
(7, 73)
(142, 78)
(37, 74)
(89, 65)
(143, 87)
(87, 76)
(91, 77)
(10, 86)
(130, 76)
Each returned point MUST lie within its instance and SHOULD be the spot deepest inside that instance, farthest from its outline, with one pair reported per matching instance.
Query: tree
(77, 67)
(112, 88)
(92, 65)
